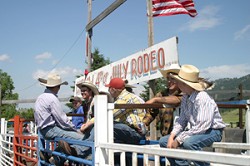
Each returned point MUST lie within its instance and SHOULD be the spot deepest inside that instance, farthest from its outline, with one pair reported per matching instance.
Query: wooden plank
(104, 14)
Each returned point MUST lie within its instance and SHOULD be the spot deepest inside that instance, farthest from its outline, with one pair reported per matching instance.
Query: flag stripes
(173, 7)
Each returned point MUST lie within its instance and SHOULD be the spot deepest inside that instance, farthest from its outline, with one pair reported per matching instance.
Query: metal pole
(89, 36)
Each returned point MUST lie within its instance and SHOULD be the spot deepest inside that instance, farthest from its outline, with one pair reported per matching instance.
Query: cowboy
(198, 109)
(171, 97)
(50, 118)
(129, 120)
(88, 91)
(78, 109)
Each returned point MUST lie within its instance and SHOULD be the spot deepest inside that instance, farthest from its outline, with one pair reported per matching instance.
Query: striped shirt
(201, 111)
(49, 112)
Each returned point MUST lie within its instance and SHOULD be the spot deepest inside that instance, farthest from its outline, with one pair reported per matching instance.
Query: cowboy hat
(89, 85)
(128, 85)
(75, 98)
(189, 75)
(173, 68)
(52, 81)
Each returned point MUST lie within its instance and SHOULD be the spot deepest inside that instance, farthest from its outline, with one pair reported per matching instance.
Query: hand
(170, 142)
(175, 144)
(83, 128)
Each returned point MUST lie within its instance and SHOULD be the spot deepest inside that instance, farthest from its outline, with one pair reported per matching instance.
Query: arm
(60, 117)
(171, 100)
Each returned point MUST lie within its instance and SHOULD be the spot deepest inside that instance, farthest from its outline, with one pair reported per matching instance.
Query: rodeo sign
(142, 66)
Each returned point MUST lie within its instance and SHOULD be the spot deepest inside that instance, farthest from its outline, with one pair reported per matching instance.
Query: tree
(160, 87)
(98, 60)
(7, 87)
(27, 113)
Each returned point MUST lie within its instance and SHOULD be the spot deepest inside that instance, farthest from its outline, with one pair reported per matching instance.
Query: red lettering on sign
(146, 64)
(161, 58)
(133, 68)
(140, 65)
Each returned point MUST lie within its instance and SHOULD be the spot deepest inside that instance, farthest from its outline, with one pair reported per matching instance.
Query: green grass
(231, 115)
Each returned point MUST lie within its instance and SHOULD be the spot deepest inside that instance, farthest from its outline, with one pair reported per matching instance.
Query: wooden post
(89, 36)
(240, 109)
(151, 83)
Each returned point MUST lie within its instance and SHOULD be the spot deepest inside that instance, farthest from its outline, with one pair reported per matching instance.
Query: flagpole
(89, 35)
(151, 83)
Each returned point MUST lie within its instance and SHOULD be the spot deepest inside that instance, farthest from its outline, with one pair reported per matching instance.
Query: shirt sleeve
(60, 116)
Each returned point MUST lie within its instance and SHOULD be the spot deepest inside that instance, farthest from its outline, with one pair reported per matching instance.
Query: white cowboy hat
(189, 75)
(52, 81)
(90, 85)
(173, 68)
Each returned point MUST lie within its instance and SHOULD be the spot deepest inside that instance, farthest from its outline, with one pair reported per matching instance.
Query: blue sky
(38, 36)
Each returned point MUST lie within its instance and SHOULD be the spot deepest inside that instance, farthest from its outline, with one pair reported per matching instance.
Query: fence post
(3, 131)
(101, 128)
(247, 124)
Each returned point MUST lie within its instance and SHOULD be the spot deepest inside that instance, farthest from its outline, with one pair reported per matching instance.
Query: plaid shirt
(130, 117)
(163, 115)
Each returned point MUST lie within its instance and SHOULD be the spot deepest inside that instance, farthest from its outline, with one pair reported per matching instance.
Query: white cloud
(226, 71)
(66, 72)
(4, 57)
(41, 57)
(244, 33)
(206, 19)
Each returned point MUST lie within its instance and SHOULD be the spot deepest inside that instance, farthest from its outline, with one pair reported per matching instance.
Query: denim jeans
(122, 134)
(54, 131)
(195, 142)
(125, 134)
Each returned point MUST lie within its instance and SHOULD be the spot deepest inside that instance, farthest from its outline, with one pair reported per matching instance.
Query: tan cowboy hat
(90, 85)
(52, 81)
(189, 75)
(173, 68)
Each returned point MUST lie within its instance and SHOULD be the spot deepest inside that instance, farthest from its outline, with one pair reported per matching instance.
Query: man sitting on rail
(51, 120)
(128, 125)
(198, 109)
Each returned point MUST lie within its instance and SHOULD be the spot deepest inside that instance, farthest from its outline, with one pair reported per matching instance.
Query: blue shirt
(78, 120)
(49, 112)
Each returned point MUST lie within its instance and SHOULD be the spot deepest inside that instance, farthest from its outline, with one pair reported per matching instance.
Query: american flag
(173, 7)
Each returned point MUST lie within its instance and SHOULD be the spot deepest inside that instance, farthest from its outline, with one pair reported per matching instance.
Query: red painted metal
(24, 146)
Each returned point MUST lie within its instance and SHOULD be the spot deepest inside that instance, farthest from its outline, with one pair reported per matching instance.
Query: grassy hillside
(231, 115)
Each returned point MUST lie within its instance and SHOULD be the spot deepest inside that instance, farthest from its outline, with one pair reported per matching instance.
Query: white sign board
(141, 66)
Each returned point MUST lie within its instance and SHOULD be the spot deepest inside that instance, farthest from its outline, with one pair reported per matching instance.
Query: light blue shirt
(49, 112)
(201, 111)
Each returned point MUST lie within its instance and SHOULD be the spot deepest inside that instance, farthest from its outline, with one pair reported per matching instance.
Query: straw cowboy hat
(173, 68)
(89, 85)
(189, 75)
(52, 81)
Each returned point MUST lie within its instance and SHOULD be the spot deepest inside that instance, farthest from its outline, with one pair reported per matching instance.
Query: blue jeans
(125, 134)
(122, 134)
(195, 142)
(53, 131)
